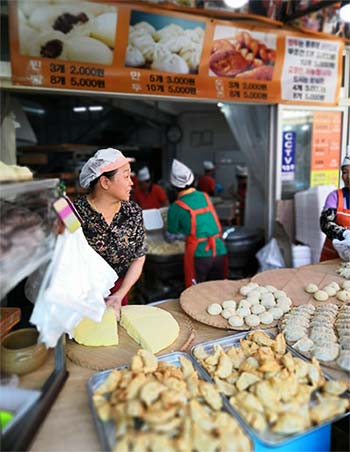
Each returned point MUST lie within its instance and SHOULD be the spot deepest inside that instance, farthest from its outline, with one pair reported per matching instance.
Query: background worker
(335, 216)
(147, 194)
(206, 182)
(112, 224)
(193, 215)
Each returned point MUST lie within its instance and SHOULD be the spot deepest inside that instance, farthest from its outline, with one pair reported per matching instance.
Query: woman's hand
(115, 301)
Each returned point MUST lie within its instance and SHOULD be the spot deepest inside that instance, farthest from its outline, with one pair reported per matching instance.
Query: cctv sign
(288, 156)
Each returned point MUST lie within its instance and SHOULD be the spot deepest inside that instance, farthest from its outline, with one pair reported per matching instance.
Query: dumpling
(146, 45)
(330, 290)
(175, 43)
(192, 55)
(304, 345)
(244, 304)
(144, 27)
(243, 311)
(171, 63)
(344, 360)
(326, 352)
(134, 57)
(227, 313)
(50, 44)
(167, 31)
(321, 295)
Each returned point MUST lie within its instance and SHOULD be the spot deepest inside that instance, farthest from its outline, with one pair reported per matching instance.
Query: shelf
(17, 188)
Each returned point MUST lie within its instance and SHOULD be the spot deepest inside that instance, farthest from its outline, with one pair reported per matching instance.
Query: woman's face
(119, 186)
(345, 174)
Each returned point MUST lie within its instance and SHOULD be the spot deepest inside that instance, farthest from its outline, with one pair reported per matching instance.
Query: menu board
(124, 48)
(325, 148)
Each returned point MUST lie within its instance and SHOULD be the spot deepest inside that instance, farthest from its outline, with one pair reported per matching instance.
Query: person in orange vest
(194, 216)
(335, 216)
(147, 194)
(206, 182)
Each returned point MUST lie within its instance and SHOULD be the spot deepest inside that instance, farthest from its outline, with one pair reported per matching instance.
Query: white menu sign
(310, 70)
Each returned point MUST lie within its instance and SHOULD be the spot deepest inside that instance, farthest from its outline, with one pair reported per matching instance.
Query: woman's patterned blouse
(119, 243)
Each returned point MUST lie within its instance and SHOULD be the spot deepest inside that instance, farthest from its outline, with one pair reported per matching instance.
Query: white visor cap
(346, 161)
(144, 174)
(101, 162)
(180, 175)
(208, 165)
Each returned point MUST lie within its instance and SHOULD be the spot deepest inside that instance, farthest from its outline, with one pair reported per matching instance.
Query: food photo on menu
(74, 31)
(164, 43)
(242, 54)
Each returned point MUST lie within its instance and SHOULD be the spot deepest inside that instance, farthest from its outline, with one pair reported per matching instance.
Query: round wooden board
(102, 358)
(195, 300)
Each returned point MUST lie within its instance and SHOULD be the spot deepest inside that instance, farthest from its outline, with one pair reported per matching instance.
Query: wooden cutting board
(195, 300)
(101, 358)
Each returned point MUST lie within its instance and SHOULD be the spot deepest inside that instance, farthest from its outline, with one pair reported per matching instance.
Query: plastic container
(153, 219)
(20, 352)
(301, 255)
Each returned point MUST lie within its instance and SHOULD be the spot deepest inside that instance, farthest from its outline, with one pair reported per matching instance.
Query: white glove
(342, 247)
(346, 235)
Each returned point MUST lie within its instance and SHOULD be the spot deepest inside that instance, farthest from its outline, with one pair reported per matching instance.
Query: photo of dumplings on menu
(242, 54)
(164, 43)
(65, 30)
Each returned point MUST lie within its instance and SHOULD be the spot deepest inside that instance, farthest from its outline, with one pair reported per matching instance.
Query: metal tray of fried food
(106, 430)
(267, 437)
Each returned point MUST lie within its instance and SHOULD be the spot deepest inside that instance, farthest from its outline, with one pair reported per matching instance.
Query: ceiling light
(79, 109)
(345, 13)
(35, 111)
(235, 4)
(96, 108)
(220, 104)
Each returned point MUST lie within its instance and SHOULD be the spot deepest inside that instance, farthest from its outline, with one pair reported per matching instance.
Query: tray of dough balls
(321, 331)
(235, 305)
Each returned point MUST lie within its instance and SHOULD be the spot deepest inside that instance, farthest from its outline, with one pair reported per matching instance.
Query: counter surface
(69, 424)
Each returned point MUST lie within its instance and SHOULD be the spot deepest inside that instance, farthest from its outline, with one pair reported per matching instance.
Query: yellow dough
(97, 334)
(311, 288)
(321, 295)
(153, 328)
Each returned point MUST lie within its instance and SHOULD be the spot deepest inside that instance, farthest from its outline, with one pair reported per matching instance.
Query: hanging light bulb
(345, 13)
(235, 4)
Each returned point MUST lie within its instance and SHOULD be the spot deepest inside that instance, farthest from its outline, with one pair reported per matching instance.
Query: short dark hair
(108, 174)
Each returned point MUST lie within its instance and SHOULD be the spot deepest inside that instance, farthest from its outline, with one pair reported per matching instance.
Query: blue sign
(288, 155)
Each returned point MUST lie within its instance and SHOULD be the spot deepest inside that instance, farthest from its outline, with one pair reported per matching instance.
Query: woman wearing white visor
(112, 224)
(193, 215)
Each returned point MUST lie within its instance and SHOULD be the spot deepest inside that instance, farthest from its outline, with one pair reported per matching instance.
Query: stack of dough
(262, 306)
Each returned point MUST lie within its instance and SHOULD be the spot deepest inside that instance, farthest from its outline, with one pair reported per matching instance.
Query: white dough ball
(235, 320)
(270, 288)
(311, 288)
(266, 318)
(321, 295)
(268, 300)
(228, 312)
(252, 320)
(335, 285)
(214, 309)
(258, 309)
(343, 295)
(276, 312)
(243, 304)
(280, 293)
(229, 304)
(345, 285)
(331, 291)
(243, 311)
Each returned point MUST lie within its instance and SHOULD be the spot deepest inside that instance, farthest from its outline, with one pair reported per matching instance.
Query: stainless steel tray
(106, 430)
(268, 438)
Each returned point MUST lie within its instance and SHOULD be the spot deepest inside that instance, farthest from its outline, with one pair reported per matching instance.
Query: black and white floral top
(119, 243)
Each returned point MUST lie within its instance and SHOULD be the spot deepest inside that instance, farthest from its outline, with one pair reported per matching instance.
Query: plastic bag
(270, 256)
(80, 281)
